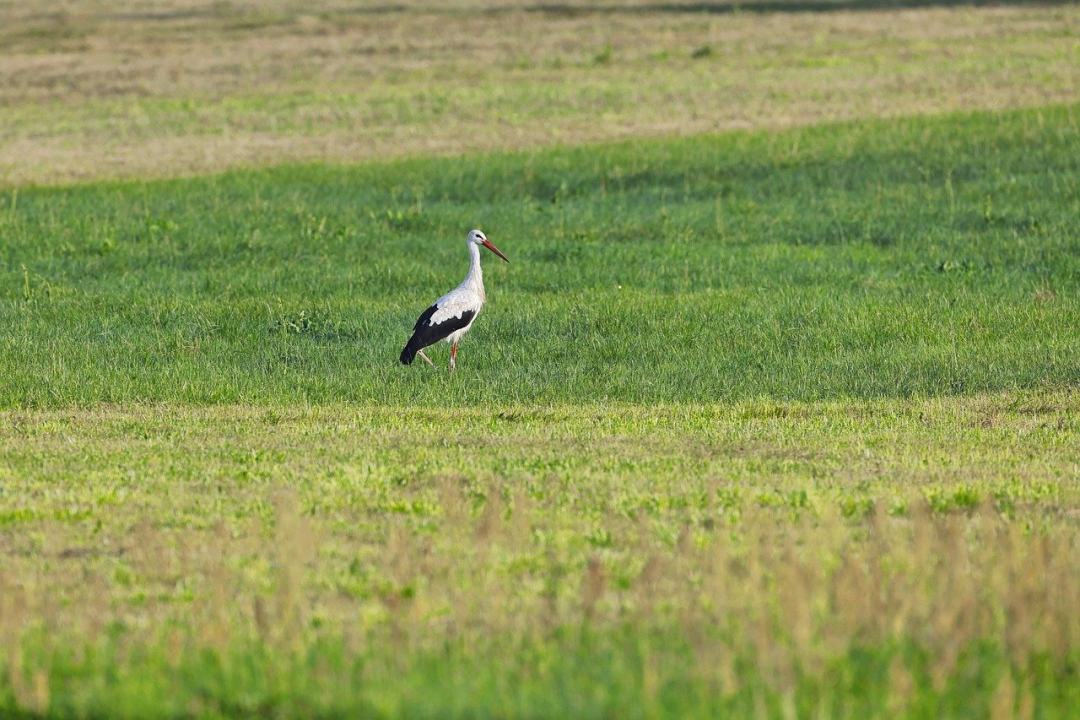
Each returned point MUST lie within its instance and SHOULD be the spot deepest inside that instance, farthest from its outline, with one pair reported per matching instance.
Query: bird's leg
(425, 357)
(453, 356)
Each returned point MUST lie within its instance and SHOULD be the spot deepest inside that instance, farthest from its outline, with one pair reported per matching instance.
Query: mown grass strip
(97, 91)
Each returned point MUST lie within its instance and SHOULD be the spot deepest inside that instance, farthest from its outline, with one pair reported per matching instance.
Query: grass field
(774, 424)
(921, 257)
(780, 422)
(110, 88)
(845, 559)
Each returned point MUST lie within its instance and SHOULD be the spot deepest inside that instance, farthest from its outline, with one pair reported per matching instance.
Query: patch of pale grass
(102, 89)
(130, 511)
(755, 545)
(767, 540)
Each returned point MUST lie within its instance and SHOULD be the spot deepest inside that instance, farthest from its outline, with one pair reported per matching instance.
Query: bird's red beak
(492, 248)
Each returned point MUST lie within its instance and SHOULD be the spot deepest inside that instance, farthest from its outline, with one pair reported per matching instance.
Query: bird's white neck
(475, 278)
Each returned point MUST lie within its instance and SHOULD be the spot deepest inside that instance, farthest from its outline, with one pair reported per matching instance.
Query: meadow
(844, 559)
(878, 259)
(768, 423)
(779, 421)
(93, 89)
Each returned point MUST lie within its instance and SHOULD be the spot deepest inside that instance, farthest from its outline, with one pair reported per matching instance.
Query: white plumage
(452, 315)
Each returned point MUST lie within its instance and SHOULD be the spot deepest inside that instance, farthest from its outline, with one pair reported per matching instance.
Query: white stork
(452, 315)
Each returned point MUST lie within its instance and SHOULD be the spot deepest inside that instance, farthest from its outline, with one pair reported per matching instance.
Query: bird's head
(479, 238)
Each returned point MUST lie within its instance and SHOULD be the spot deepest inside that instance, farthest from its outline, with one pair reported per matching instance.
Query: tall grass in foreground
(894, 558)
(924, 615)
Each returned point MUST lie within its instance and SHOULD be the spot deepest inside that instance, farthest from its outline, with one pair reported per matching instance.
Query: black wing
(424, 333)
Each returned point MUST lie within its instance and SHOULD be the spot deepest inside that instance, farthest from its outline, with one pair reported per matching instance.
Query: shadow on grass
(562, 9)
(774, 6)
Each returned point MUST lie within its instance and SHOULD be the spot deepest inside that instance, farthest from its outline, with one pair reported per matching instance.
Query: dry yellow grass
(156, 499)
(109, 89)
(787, 536)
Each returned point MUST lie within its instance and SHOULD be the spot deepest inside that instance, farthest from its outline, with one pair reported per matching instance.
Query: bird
(452, 315)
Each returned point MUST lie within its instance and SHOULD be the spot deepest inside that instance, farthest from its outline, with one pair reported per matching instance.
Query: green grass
(761, 424)
(853, 559)
(191, 87)
(881, 259)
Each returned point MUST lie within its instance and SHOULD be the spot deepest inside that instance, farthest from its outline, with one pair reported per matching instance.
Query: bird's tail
(408, 353)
